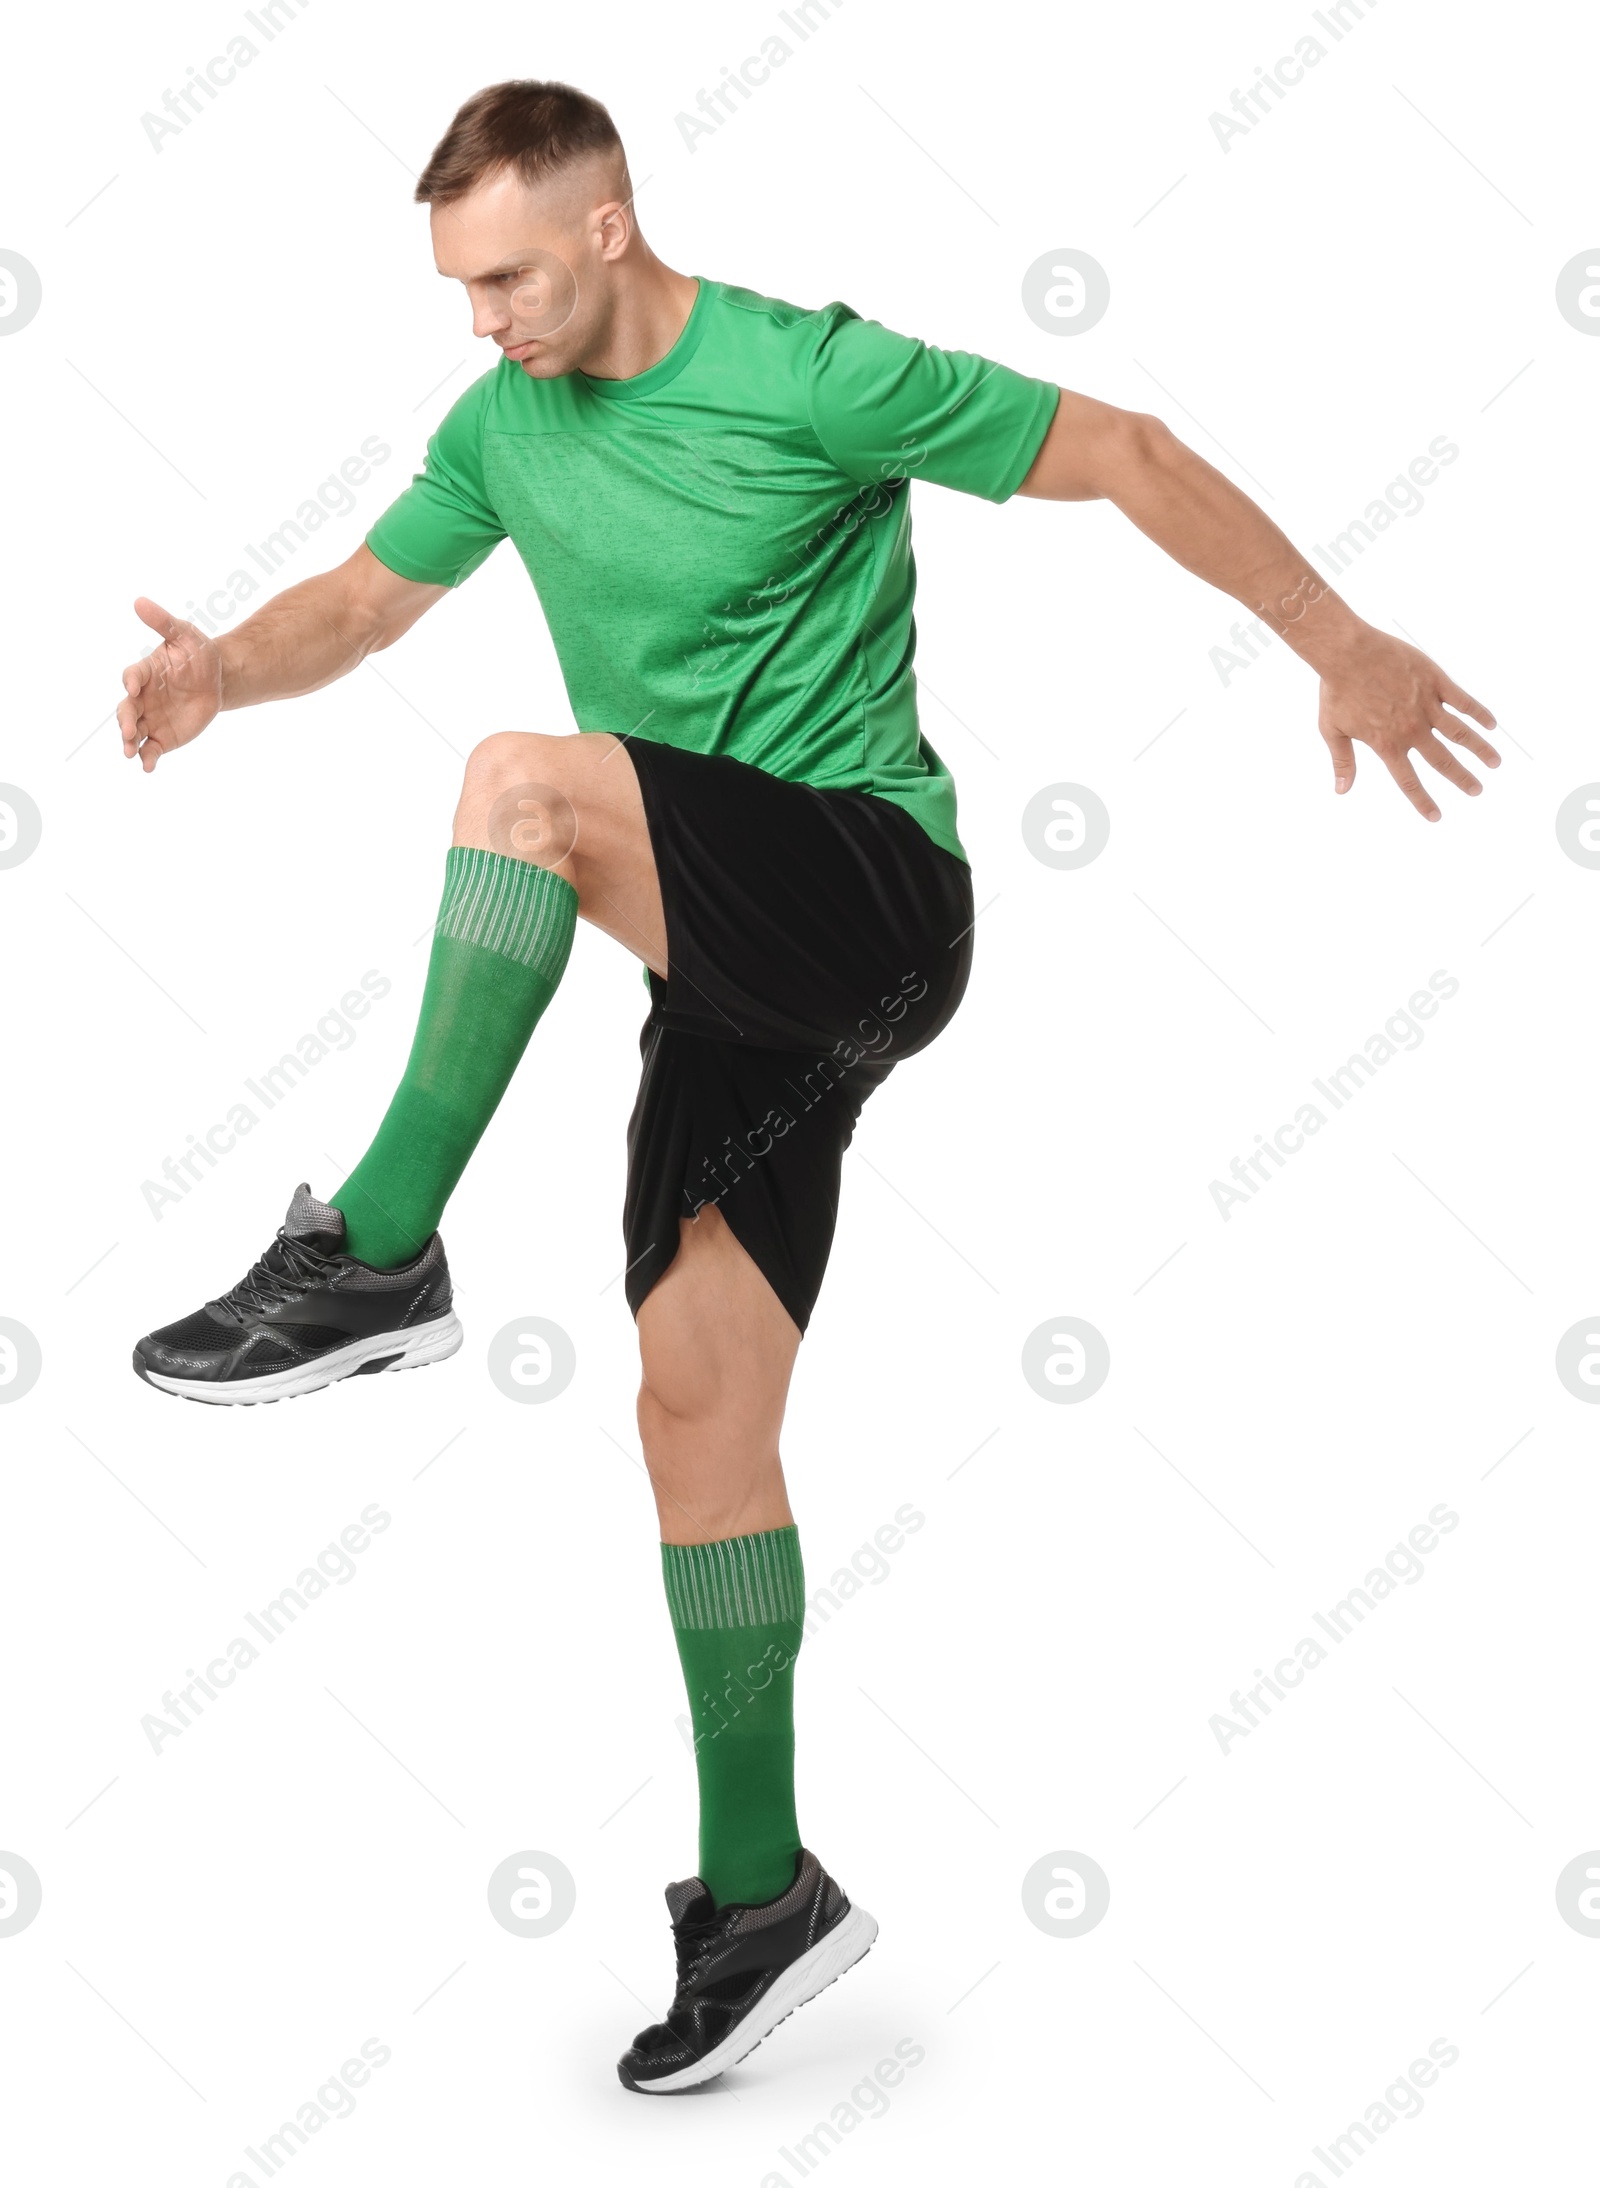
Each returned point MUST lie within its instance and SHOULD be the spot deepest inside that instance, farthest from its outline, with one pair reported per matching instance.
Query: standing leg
(763, 1928)
(718, 1351)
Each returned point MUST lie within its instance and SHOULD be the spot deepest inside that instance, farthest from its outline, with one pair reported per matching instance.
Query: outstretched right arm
(304, 638)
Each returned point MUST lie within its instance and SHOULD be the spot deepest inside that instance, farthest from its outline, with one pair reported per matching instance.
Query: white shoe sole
(386, 1354)
(827, 1960)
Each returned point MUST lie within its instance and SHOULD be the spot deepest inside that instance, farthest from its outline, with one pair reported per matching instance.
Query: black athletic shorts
(814, 938)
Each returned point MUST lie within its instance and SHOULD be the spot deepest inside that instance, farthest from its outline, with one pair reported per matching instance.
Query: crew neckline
(665, 368)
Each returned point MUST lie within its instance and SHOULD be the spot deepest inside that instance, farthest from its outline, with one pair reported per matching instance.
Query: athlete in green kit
(711, 493)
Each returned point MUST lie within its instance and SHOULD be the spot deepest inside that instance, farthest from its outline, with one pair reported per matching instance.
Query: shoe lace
(692, 1939)
(282, 1273)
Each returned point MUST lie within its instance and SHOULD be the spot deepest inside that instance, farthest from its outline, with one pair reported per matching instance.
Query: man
(710, 492)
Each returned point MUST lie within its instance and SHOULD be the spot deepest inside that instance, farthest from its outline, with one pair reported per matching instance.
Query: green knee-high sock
(737, 1608)
(499, 950)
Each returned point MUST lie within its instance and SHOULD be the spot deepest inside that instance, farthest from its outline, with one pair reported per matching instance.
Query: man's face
(537, 263)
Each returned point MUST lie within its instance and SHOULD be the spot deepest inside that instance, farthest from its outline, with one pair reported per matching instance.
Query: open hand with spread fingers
(1384, 693)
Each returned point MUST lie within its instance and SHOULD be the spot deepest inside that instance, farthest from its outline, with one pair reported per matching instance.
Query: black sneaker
(305, 1316)
(742, 1970)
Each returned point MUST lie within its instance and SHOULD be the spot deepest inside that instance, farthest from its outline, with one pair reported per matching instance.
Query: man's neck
(649, 318)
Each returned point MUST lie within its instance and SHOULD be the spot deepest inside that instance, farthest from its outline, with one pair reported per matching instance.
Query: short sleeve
(885, 406)
(442, 526)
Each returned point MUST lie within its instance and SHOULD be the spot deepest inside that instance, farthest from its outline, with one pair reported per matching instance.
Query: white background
(1372, 266)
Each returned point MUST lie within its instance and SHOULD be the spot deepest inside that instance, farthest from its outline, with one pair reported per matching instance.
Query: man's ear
(613, 226)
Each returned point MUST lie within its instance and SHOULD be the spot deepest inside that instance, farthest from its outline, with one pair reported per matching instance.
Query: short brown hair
(532, 128)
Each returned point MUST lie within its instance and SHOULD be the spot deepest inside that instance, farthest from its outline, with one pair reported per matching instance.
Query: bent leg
(548, 828)
(718, 1351)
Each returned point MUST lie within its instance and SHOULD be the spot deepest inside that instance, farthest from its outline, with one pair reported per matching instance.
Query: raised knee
(511, 757)
(514, 796)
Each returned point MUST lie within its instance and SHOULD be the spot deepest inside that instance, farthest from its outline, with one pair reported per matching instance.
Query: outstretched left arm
(1376, 690)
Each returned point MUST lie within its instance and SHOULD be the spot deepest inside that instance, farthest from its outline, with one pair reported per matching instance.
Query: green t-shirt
(722, 544)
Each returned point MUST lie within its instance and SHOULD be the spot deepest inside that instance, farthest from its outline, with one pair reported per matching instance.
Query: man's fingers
(1441, 757)
(140, 741)
(152, 612)
(1464, 703)
(1400, 767)
(1344, 760)
(1448, 726)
